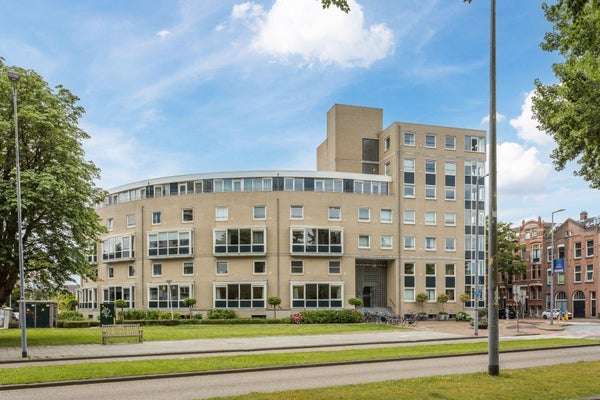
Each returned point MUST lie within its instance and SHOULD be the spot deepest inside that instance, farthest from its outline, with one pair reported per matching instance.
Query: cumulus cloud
(526, 125)
(520, 171)
(301, 29)
(163, 34)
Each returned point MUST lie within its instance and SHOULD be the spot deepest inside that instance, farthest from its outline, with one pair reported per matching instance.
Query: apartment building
(575, 242)
(389, 213)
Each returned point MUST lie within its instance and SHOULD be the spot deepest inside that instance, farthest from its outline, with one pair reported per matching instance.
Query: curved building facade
(388, 214)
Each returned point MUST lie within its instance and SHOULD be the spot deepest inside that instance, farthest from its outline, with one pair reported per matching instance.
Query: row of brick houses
(575, 241)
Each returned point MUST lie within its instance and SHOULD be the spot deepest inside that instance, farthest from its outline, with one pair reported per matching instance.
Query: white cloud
(302, 29)
(526, 125)
(163, 34)
(519, 169)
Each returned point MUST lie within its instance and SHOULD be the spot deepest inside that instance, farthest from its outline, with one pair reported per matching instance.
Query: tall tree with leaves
(569, 110)
(509, 254)
(60, 224)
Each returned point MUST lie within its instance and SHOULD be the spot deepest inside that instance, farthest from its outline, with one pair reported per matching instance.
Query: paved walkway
(425, 331)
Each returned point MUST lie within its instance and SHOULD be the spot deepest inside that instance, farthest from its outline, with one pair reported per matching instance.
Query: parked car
(555, 314)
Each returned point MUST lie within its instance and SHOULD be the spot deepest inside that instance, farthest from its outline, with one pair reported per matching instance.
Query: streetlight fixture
(13, 76)
(552, 267)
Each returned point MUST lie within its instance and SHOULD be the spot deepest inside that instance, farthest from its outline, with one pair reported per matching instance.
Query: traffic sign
(559, 265)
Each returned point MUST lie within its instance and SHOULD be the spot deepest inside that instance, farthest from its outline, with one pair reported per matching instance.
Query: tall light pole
(493, 334)
(13, 76)
(552, 267)
(477, 294)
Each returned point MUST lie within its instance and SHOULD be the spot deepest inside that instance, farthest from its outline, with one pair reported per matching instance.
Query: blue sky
(176, 87)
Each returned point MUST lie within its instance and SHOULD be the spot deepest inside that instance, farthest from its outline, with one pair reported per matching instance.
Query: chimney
(583, 215)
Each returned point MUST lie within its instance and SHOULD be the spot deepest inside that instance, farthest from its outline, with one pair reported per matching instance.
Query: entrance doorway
(371, 282)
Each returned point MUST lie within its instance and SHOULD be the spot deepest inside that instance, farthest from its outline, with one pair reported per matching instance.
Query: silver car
(556, 313)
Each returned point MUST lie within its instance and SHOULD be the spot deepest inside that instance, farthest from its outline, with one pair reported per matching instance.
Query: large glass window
(239, 295)
(118, 248)
(171, 243)
(317, 295)
(239, 241)
(112, 293)
(168, 296)
(475, 144)
(316, 240)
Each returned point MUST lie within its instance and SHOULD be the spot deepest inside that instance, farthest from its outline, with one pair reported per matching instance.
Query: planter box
(442, 317)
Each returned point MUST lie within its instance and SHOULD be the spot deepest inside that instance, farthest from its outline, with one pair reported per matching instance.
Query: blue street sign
(559, 265)
(478, 293)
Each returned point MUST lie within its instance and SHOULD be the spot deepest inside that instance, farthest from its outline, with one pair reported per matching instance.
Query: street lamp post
(13, 76)
(170, 298)
(552, 267)
(476, 322)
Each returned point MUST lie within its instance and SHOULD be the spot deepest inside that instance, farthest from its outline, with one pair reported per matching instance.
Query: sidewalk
(425, 331)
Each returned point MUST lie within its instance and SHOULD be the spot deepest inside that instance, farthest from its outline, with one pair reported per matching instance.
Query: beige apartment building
(389, 213)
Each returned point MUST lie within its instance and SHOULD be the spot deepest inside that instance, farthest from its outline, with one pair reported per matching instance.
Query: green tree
(355, 301)
(60, 224)
(67, 303)
(569, 110)
(464, 298)
(509, 254)
(120, 303)
(189, 302)
(442, 299)
(274, 301)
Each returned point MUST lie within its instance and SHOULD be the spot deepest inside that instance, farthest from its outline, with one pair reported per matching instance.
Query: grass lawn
(60, 336)
(568, 381)
(21, 375)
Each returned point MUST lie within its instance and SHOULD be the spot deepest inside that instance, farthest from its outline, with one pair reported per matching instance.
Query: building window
(430, 217)
(475, 144)
(239, 241)
(334, 213)
(113, 293)
(409, 138)
(577, 247)
(118, 248)
(156, 218)
(429, 192)
(430, 166)
(297, 212)
(335, 267)
(387, 143)
(577, 274)
(239, 295)
(187, 269)
(450, 218)
(409, 242)
(450, 244)
(222, 268)
(316, 240)
(430, 282)
(259, 212)
(131, 271)
(259, 267)
(430, 243)
(364, 241)
(409, 190)
(317, 295)
(187, 215)
(409, 165)
(385, 216)
(297, 267)
(156, 269)
(430, 141)
(450, 143)
(168, 295)
(535, 251)
(110, 224)
(387, 169)
(111, 272)
(409, 217)
(589, 273)
(221, 213)
(130, 220)
(386, 241)
(364, 214)
(409, 282)
(589, 248)
(450, 193)
(172, 243)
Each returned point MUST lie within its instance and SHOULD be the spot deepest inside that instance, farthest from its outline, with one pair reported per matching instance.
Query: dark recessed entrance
(371, 282)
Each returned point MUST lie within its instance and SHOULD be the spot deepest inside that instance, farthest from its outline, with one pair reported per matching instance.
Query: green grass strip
(567, 381)
(21, 375)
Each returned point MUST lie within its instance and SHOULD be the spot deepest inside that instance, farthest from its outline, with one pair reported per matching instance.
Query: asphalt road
(227, 384)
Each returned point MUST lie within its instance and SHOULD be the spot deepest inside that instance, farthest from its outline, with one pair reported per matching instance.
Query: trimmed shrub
(327, 317)
(221, 313)
(70, 316)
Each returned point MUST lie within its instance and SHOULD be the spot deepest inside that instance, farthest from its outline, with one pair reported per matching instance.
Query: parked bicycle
(410, 319)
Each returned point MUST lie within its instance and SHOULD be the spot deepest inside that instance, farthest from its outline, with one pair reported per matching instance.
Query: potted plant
(354, 301)
(442, 299)
(421, 298)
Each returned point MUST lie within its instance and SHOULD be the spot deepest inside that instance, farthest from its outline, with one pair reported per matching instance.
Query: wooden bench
(122, 330)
